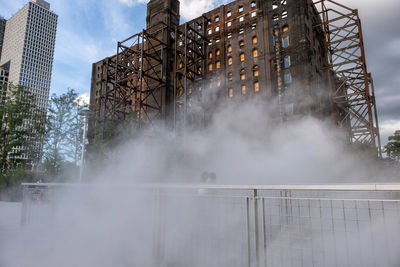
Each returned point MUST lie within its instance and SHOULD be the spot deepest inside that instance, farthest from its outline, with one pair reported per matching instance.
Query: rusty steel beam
(352, 88)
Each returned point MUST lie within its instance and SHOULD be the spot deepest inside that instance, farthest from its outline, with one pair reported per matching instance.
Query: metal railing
(275, 225)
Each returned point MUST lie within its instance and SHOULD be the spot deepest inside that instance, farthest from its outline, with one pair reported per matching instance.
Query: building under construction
(302, 57)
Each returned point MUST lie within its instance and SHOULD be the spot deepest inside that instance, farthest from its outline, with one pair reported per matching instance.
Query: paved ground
(10, 221)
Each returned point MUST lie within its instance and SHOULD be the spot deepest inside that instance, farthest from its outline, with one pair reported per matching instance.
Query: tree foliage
(21, 127)
(392, 149)
(63, 133)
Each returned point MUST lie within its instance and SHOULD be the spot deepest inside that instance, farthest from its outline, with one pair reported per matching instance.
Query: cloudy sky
(89, 29)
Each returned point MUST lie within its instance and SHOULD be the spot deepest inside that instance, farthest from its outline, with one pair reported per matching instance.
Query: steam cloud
(119, 222)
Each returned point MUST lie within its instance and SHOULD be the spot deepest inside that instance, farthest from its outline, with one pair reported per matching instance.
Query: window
(217, 40)
(253, 26)
(240, 9)
(275, 19)
(284, 14)
(208, 22)
(243, 89)
(217, 29)
(230, 76)
(216, 19)
(256, 87)
(229, 48)
(255, 71)
(255, 53)
(241, 57)
(218, 64)
(241, 30)
(209, 32)
(253, 14)
(229, 35)
(241, 43)
(217, 52)
(228, 14)
(253, 4)
(285, 41)
(287, 77)
(210, 55)
(254, 40)
(230, 92)
(242, 75)
(229, 61)
(241, 19)
(285, 29)
(199, 70)
(210, 67)
(289, 109)
(286, 61)
(229, 24)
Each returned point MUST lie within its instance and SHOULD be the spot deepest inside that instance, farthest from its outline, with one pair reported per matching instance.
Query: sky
(88, 31)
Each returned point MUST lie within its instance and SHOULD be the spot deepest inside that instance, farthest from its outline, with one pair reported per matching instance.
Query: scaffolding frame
(190, 66)
(352, 88)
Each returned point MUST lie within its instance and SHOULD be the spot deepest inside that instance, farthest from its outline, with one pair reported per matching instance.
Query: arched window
(285, 29)
(240, 9)
(285, 41)
(217, 52)
(229, 24)
(228, 14)
(286, 62)
(241, 57)
(210, 55)
(242, 75)
(230, 61)
(287, 77)
(229, 48)
(216, 19)
(218, 64)
(230, 74)
(254, 40)
(255, 52)
(243, 89)
(241, 43)
(230, 92)
(217, 29)
(210, 67)
(256, 87)
(253, 4)
(199, 70)
(209, 32)
(256, 71)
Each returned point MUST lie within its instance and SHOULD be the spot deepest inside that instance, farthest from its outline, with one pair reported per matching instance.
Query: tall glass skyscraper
(28, 47)
(27, 57)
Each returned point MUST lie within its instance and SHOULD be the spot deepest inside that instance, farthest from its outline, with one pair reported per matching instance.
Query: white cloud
(83, 99)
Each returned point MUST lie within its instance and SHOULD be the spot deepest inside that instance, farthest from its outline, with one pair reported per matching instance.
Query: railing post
(256, 232)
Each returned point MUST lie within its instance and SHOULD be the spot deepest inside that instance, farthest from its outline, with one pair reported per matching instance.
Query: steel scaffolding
(352, 88)
(190, 67)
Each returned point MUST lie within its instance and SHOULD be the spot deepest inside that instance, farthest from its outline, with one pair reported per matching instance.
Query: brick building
(272, 50)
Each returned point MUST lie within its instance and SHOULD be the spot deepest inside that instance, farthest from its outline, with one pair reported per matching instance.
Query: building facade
(278, 51)
(2, 29)
(28, 47)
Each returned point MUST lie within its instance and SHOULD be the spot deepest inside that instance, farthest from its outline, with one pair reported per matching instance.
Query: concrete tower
(28, 46)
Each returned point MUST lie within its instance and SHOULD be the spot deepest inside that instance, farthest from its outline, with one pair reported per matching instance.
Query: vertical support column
(256, 230)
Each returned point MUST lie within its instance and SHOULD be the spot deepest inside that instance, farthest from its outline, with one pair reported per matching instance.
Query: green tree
(392, 149)
(21, 128)
(63, 133)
